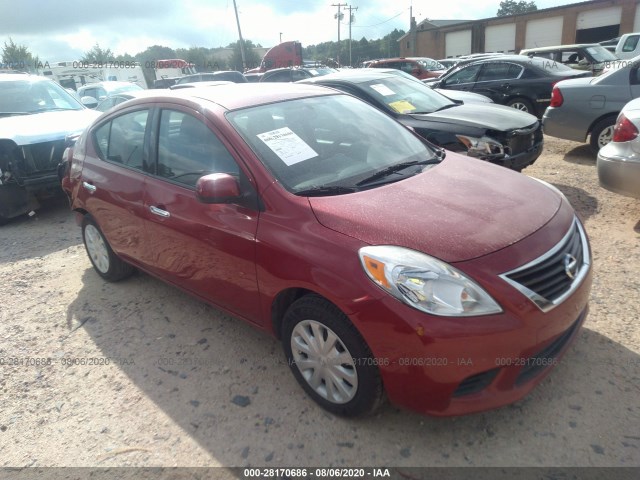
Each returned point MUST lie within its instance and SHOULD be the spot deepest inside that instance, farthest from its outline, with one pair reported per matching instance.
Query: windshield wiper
(11, 114)
(385, 172)
(50, 109)
(322, 190)
(444, 107)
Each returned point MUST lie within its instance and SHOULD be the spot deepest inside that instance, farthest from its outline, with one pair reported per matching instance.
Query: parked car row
(364, 248)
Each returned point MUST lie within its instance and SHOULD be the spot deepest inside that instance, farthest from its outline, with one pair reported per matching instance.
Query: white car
(38, 120)
(619, 161)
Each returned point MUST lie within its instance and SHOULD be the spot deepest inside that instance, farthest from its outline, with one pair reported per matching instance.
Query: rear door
(206, 249)
(113, 178)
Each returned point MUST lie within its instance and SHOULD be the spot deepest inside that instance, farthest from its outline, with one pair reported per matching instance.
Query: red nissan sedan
(388, 267)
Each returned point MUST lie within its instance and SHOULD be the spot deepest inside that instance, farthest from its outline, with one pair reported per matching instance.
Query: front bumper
(619, 169)
(447, 366)
(522, 159)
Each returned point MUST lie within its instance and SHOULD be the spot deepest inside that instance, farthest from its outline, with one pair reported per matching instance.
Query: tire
(602, 133)
(351, 388)
(108, 265)
(521, 104)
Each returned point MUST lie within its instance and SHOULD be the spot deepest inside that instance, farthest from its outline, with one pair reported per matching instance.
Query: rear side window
(630, 43)
(122, 139)
(188, 149)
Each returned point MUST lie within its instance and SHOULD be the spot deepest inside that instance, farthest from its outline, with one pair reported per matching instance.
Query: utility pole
(280, 37)
(244, 61)
(350, 22)
(339, 17)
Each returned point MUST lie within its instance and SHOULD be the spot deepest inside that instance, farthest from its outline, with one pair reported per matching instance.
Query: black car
(294, 74)
(512, 80)
(490, 132)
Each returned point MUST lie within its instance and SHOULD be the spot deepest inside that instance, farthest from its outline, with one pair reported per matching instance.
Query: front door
(208, 249)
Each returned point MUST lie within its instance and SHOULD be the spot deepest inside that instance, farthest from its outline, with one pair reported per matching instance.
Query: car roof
(239, 95)
(560, 47)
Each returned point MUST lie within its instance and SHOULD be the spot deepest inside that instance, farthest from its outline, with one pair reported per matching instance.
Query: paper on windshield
(402, 106)
(289, 147)
(383, 89)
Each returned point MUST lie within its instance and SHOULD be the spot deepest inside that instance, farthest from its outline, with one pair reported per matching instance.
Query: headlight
(482, 147)
(425, 283)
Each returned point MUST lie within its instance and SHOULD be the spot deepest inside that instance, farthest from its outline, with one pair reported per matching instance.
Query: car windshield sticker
(402, 106)
(383, 89)
(287, 145)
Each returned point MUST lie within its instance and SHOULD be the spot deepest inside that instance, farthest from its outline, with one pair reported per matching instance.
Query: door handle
(160, 212)
(506, 85)
(90, 188)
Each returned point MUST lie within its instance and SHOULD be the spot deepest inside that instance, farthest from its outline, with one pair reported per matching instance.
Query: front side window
(630, 43)
(121, 140)
(188, 149)
(464, 75)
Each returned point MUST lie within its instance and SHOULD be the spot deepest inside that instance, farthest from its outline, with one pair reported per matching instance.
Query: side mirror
(89, 102)
(217, 188)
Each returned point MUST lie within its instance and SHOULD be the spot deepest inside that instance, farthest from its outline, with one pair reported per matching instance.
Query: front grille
(548, 355)
(549, 279)
(40, 157)
(475, 383)
(524, 141)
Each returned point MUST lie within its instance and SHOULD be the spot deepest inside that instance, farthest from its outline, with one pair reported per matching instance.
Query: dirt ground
(188, 386)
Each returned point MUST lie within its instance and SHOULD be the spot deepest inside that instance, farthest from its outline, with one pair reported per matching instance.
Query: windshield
(328, 141)
(601, 54)
(25, 96)
(405, 96)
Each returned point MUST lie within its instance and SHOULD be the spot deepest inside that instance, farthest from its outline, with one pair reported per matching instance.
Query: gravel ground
(188, 386)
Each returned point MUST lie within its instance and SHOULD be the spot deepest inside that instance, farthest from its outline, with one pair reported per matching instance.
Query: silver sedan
(583, 107)
(619, 161)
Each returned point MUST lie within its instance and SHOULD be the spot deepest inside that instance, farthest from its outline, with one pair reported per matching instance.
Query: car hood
(487, 116)
(458, 210)
(45, 126)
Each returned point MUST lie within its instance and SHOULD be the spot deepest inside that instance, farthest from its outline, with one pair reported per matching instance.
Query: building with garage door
(585, 22)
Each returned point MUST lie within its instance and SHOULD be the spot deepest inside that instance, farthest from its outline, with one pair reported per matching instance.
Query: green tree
(252, 59)
(98, 55)
(511, 7)
(17, 57)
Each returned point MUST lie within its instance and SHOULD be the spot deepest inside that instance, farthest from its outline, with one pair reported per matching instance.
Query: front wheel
(330, 359)
(602, 133)
(108, 265)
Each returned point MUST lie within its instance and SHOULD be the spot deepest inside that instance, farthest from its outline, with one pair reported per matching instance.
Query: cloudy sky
(57, 31)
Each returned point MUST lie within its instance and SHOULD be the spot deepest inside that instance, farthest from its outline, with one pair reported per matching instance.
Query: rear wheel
(521, 104)
(602, 133)
(108, 265)
(330, 359)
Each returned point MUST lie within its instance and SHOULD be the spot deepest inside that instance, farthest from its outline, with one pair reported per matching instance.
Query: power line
(381, 23)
